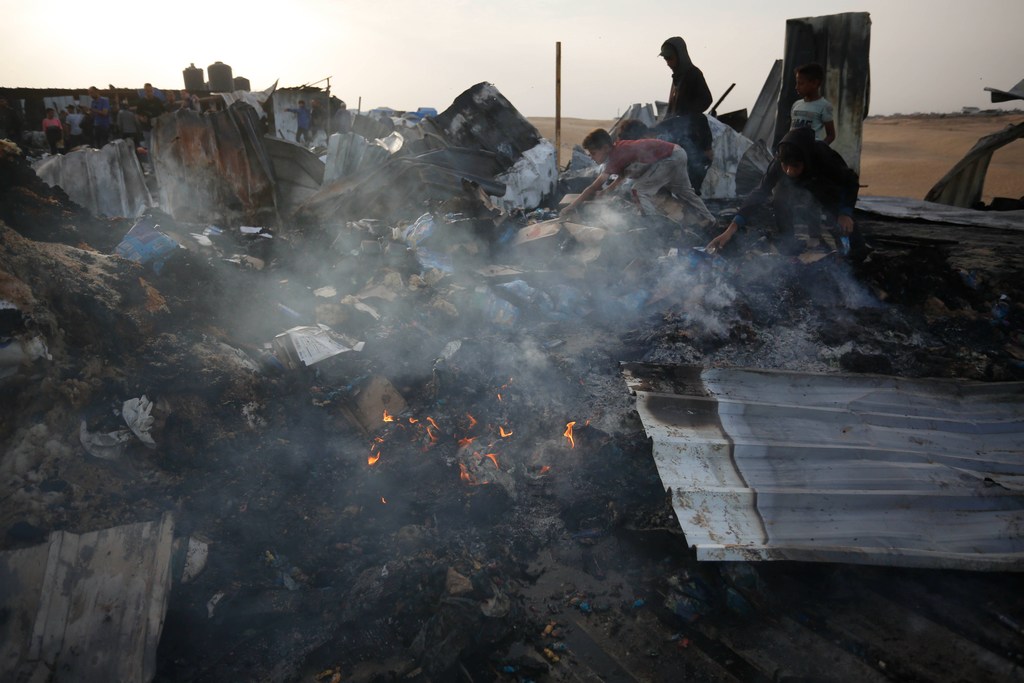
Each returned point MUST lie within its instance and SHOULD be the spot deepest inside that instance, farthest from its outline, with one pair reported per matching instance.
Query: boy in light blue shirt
(813, 111)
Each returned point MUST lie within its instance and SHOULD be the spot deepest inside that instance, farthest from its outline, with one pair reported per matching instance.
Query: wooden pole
(558, 105)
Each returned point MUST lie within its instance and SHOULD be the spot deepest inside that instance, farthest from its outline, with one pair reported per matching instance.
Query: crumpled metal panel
(964, 183)
(901, 207)
(1014, 93)
(213, 166)
(109, 181)
(766, 465)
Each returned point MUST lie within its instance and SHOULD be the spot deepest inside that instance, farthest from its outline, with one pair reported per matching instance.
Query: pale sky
(926, 56)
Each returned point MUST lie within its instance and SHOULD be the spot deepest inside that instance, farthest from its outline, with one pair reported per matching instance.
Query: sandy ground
(903, 156)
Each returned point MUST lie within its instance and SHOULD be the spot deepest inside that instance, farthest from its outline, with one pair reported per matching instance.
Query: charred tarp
(213, 166)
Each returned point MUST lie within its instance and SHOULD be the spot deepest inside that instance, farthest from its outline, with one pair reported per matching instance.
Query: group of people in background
(807, 182)
(98, 122)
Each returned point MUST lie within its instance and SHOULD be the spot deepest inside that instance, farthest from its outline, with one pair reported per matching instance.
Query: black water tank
(220, 77)
(242, 83)
(194, 81)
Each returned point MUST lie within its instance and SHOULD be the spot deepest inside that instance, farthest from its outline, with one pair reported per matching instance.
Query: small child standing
(813, 111)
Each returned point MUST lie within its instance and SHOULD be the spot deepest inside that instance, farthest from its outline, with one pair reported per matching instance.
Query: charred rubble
(447, 481)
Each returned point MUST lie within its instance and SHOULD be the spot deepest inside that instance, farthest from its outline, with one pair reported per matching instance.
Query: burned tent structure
(397, 417)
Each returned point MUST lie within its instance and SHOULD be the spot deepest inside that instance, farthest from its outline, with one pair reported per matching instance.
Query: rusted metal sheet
(213, 166)
(767, 465)
(963, 184)
(86, 608)
(841, 44)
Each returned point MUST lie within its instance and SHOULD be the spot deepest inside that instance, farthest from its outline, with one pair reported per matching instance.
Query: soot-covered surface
(476, 536)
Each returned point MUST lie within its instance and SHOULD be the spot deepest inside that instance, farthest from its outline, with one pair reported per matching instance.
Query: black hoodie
(690, 93)
(826, 176)
(684, 122)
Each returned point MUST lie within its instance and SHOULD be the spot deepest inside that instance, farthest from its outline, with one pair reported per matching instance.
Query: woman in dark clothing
(684, 122)
(806, 181)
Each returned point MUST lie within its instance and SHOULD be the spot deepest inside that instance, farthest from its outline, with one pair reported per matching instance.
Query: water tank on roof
(220, 77)
(242, 83)
(194, 81)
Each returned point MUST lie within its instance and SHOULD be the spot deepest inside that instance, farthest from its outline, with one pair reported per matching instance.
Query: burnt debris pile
(390, 406)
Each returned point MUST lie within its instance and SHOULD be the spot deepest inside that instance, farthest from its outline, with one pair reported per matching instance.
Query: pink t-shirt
(49, 123)
(626, 152)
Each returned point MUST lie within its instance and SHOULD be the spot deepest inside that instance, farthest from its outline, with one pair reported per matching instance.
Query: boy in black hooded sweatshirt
(806, 179)
(685, 123)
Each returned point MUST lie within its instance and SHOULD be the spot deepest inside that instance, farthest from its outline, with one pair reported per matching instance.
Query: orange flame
(372, 459)
(472, 420)
(494, 459)
(383, 501)
(499, 397)
(434, 424)
(545, 469)
(504, 434)
(568, 434)
(465, 441)
(413, 420)
(388, 417)
(464, 474)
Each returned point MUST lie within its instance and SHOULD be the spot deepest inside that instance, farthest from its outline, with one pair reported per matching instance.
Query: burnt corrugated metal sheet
(963, 185)
(761, 123)
(767, 465)
(901, 207)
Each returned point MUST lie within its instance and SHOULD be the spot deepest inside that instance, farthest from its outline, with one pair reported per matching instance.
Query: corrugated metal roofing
(767, 465)
(963, 184)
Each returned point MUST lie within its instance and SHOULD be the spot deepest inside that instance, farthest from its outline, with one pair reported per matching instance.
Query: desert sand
(903, 156)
